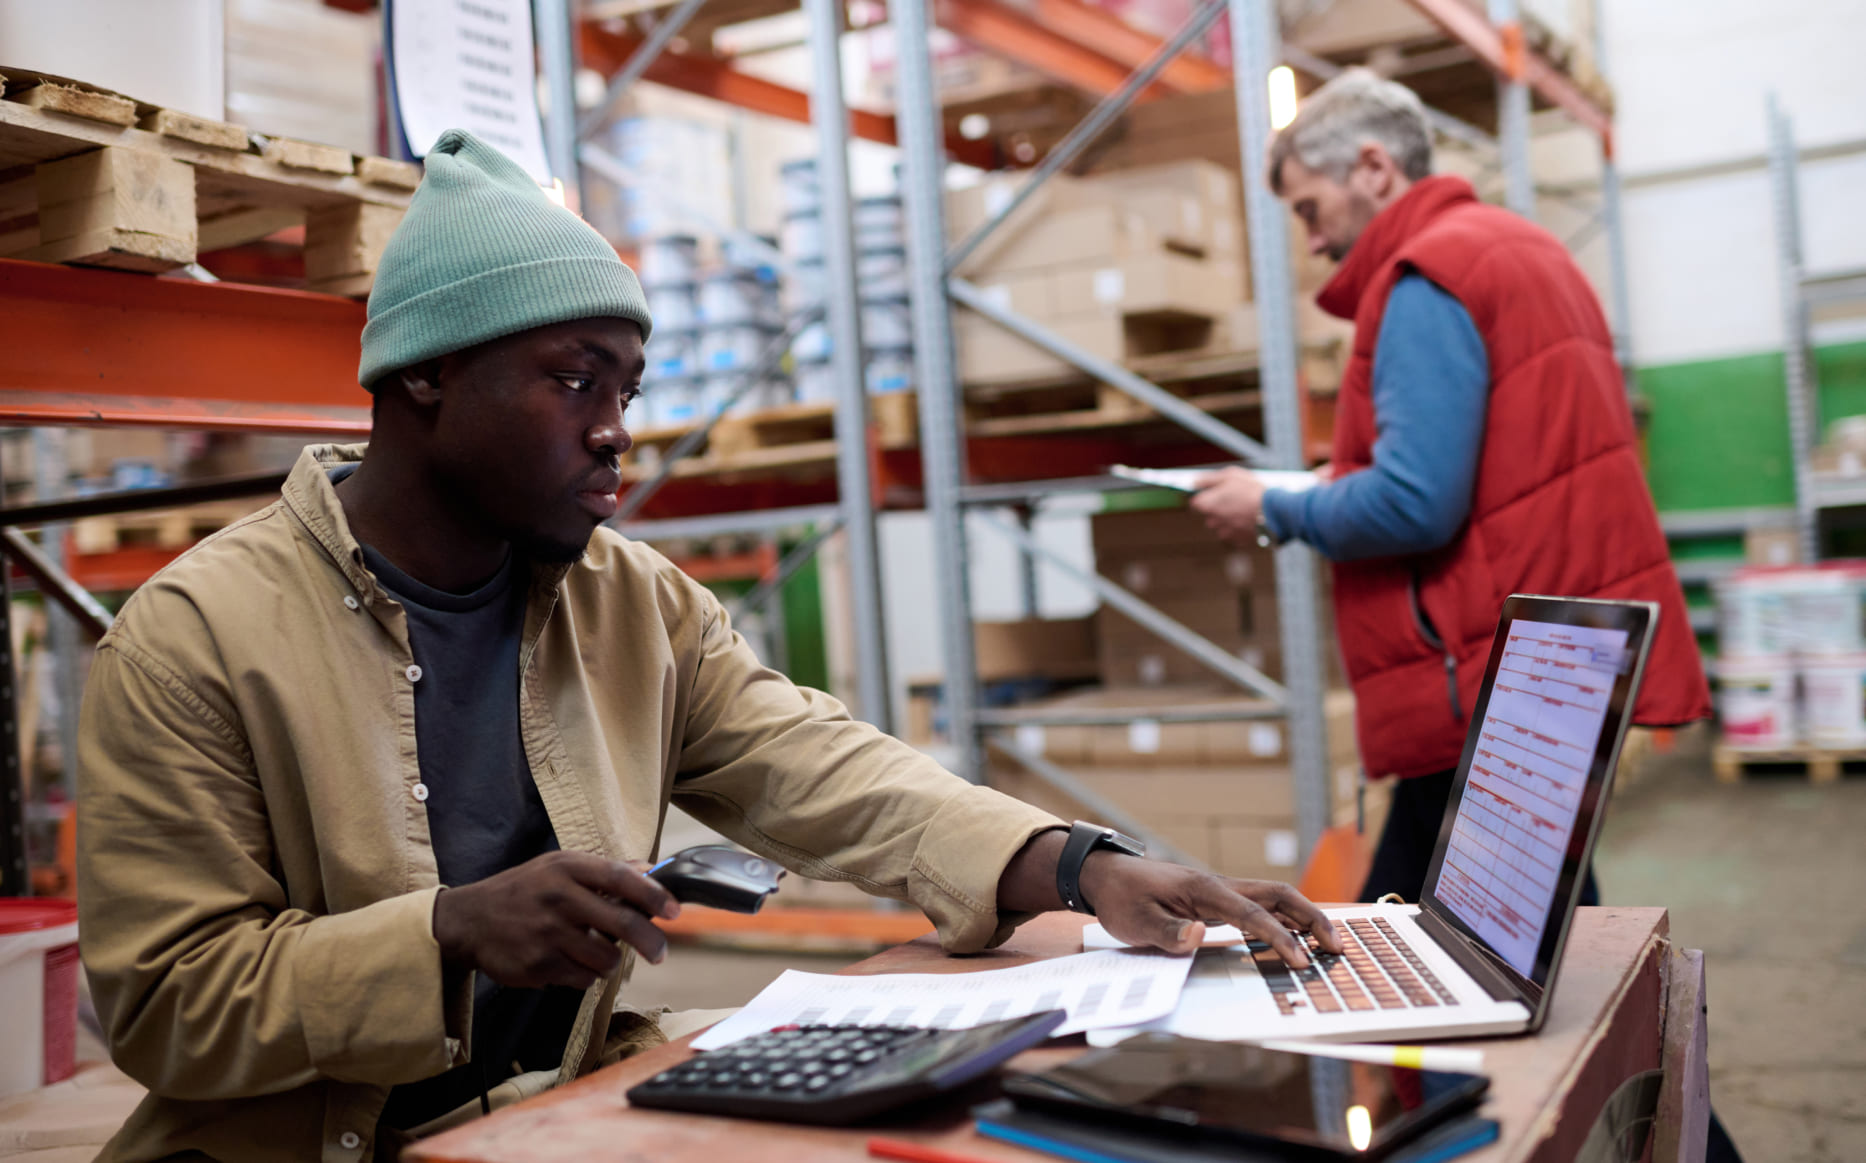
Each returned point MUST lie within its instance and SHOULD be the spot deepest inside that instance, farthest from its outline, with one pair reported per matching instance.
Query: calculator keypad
(806, 1059)
(838, 1074)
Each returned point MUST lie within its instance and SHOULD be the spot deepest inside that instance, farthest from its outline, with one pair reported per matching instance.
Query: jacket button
(413, 672)
(349, 1140)
(420, 792)
(350, 602)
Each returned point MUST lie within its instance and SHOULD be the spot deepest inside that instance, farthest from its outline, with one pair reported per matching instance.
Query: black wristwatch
(1085, 838)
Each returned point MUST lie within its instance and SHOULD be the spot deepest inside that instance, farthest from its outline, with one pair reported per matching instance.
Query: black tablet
(1224, 1091)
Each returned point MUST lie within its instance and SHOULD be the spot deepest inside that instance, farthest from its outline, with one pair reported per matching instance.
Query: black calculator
(838, 1074)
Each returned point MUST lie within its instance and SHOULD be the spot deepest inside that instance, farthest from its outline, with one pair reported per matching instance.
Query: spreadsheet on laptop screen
(1527, 775)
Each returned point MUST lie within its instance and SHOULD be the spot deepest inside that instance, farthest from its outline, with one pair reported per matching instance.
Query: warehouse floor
(1767, 877)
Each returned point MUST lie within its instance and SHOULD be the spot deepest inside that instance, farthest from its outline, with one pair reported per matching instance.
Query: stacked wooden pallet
(95, 178)
(795, 436)
(159, 529)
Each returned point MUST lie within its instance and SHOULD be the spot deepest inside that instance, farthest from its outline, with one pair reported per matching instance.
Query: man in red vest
(1483, 447)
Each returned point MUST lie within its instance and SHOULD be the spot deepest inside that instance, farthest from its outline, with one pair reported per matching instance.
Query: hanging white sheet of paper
(468, 64)
(1182, 478)
(1114, 987)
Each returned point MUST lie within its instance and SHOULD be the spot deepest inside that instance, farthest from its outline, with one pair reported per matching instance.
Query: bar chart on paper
(1527, 776)
(1101, 989)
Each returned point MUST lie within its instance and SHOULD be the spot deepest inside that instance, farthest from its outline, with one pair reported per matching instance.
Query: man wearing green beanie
(368, 779)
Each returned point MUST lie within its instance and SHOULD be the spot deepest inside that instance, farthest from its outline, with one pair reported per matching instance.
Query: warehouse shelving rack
(1802, 292)
(1256, 48)
(950, 496)
(152, 366)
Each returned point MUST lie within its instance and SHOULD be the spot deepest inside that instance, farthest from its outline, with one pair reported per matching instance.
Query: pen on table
(1417, 1057)
(907, 1152)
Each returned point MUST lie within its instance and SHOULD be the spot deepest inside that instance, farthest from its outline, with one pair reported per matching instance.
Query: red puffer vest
(1560, 504)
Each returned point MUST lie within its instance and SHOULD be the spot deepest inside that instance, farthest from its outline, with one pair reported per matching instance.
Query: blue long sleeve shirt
(1431, 384)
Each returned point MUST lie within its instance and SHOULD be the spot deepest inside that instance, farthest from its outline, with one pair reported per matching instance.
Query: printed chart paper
(468, 64)
(1113, 987)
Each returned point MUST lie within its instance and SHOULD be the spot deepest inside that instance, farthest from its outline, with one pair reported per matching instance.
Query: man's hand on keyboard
(1166, 906)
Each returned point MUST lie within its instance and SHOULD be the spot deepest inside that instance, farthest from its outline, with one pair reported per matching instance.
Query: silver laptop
(1478, 954)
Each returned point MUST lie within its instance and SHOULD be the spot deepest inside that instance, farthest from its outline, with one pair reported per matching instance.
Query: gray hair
(1336, 120)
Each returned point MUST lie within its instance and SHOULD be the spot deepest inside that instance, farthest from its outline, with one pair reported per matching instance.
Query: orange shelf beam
(90, 347)
(607, 52)
(750, 565)
(1103, 32)
(867, 925)
(1508, 57)
(1007, 32)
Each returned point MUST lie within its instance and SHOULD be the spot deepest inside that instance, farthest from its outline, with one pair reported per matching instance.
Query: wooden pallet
(1822, 765)
(1221, 382)
(94, 178)
(788, 437)
(161, 529)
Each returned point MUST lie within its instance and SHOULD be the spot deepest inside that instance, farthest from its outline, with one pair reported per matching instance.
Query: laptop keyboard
(1378, 971)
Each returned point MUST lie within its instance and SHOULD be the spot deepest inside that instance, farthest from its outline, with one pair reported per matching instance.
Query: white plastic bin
(1833, 689)
(671, 258)
(38, 993)
(1756, 698)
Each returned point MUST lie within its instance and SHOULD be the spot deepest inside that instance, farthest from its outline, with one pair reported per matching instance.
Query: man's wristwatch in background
(1085, 838)
(1265, 538)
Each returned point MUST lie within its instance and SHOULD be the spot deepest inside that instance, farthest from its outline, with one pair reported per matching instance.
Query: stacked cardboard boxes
(1126, 266)
(1223, 592)
(1220, 791)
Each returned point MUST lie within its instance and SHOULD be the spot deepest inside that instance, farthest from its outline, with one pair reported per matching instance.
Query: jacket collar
(1391, 229)
(311, 497)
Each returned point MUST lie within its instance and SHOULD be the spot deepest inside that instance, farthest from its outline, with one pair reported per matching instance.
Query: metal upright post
(1028, 597)
(1255, 47)
(1622, 301)
(1797, 368)
(923, 167)
(844, 310)
(1519, 190)
(63, 638)
(557, 56)
(1622, 307)
(13, 873)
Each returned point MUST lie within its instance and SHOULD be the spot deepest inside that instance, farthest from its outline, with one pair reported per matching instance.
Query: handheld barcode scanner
(719, 877)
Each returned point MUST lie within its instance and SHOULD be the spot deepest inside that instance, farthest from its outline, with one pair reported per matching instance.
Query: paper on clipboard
(1183, 478)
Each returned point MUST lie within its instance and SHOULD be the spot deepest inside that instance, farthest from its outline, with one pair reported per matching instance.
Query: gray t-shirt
(484, 811)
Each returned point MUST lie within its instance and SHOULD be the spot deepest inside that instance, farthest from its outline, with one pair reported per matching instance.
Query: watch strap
(1085, 838)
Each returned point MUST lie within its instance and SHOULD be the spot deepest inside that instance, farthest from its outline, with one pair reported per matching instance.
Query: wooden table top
(1603, 1024)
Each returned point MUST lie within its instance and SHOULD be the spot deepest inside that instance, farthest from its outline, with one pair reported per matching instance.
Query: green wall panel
(1718, 435)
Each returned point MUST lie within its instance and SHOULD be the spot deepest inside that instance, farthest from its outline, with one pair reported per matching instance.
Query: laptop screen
(1522, 815)
(1520, 802)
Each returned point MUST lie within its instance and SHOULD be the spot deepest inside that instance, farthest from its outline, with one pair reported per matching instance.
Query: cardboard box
(1774, 546)
(1161, 283)
(1029, 294)
(1130, 533)
(1193, 205)
(1257, 851)
(1162, 665)
(1059, 648)
(1081, 235)
(1167, 575)
(989, 354)
(1226, 611)
(972, 207)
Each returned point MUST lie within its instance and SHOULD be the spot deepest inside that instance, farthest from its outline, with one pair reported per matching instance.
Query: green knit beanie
(483, 253)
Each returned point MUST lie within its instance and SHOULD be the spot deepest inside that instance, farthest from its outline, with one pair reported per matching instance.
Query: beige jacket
(255, 876)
